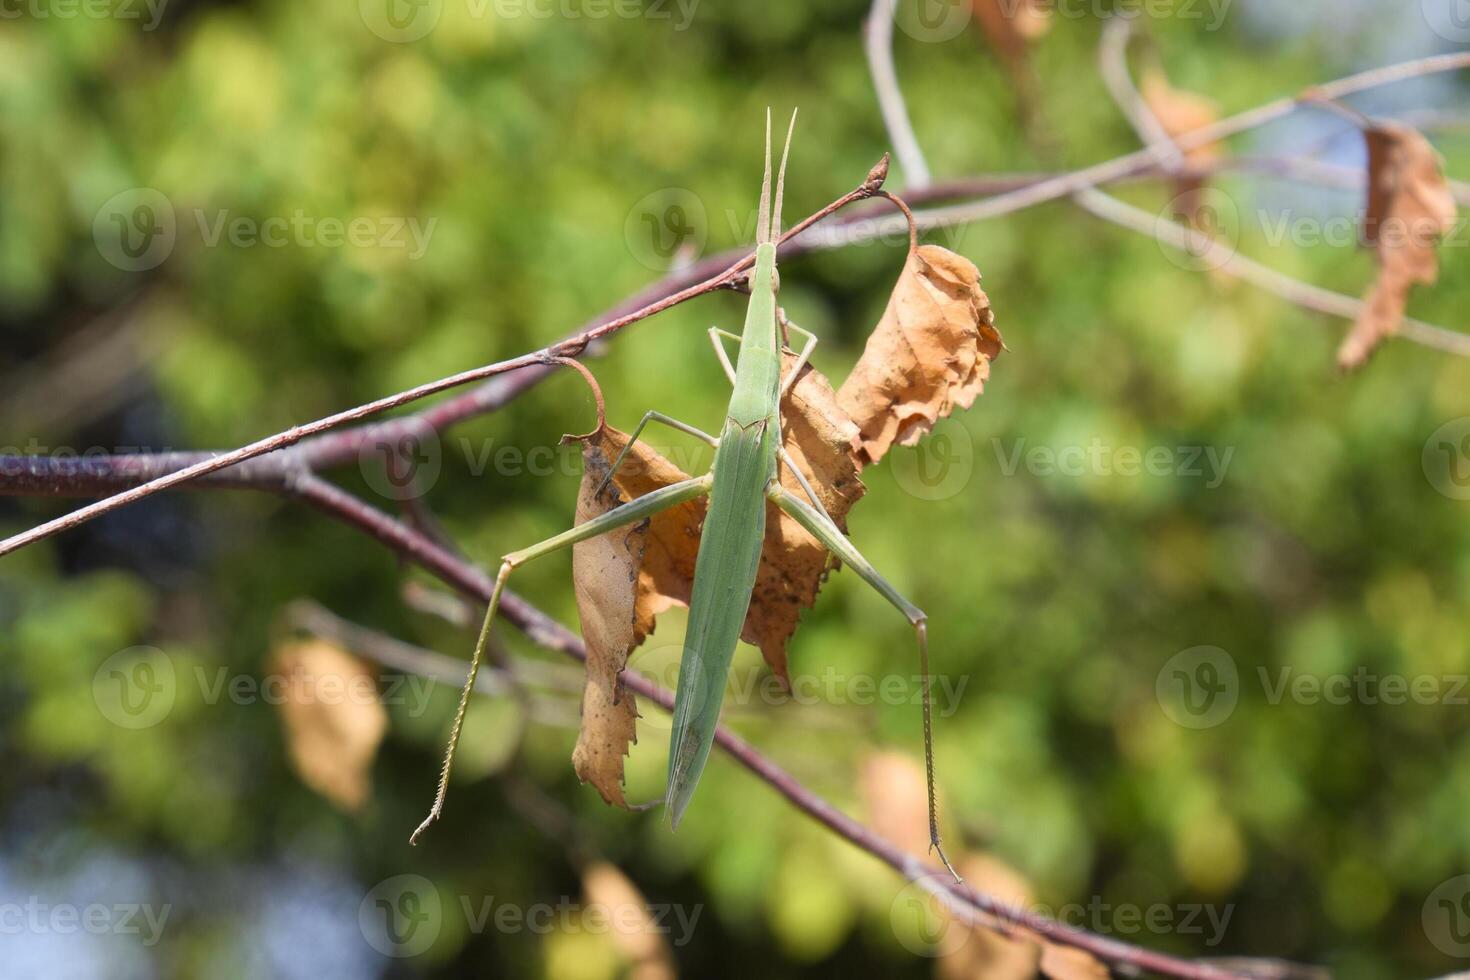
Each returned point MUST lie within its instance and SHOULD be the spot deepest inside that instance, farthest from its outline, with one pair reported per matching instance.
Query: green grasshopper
(742, 478)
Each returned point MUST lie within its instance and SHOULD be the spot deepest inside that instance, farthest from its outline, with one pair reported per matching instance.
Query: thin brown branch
(878, 42)
(1131, 164)
(546, 356)
(1217, 255)
(1112, 53)
(474, 583)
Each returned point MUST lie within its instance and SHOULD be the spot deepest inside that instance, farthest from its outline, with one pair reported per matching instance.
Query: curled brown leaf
(823, 441)
(929, 355)
(1180, 112)
(1410, 209)
(605, 578)
(1011, 25)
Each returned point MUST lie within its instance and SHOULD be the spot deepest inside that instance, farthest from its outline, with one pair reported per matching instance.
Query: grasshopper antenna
(763, 219)
(781, 180)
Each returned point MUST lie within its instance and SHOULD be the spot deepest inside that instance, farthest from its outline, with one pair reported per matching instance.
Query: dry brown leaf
(823, 441)
(333, 718)
(1010, 25)
(1071, 963)
(624, 580)
(896, 798)
(1180, 112)
(990, 954)
(893, 789)
(629, 922)
(1410, 208)
(605, 578)
(987, 953)
(929, 355)
(667, 568)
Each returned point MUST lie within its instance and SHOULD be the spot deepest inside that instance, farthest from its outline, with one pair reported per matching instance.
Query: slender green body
(730, 544)
(742, 480)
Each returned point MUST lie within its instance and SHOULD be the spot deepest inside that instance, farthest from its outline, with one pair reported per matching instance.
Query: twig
(547, 355)
(547, 632)
(1112, 55)
(1168, 153)
(97, 475)
(878, 41)
(1219, 256)
(1065, 185)
(406, 658)
(1114, 68)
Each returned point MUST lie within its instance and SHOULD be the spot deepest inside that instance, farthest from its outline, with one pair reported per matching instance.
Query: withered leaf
(823, 441)
(642, 942)
(1004, 950)
(986, 952)
(929, 354)
(666, 572)
(896, 799)
(332, 717)
(1410, 208)
(894, 794)
(1180, 112)
(1010, 25)
(605, 578)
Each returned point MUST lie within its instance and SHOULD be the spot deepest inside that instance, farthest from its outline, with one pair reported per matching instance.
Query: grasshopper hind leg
(837, 543)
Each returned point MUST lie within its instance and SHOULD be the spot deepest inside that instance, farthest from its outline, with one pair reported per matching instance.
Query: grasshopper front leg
(836, 542)
(659, 417)
(621, 516)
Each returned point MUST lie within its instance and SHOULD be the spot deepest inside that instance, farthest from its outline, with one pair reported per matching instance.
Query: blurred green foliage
(1057, 599)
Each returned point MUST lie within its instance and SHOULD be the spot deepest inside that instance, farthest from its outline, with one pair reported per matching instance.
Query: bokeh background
(1330, 542)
